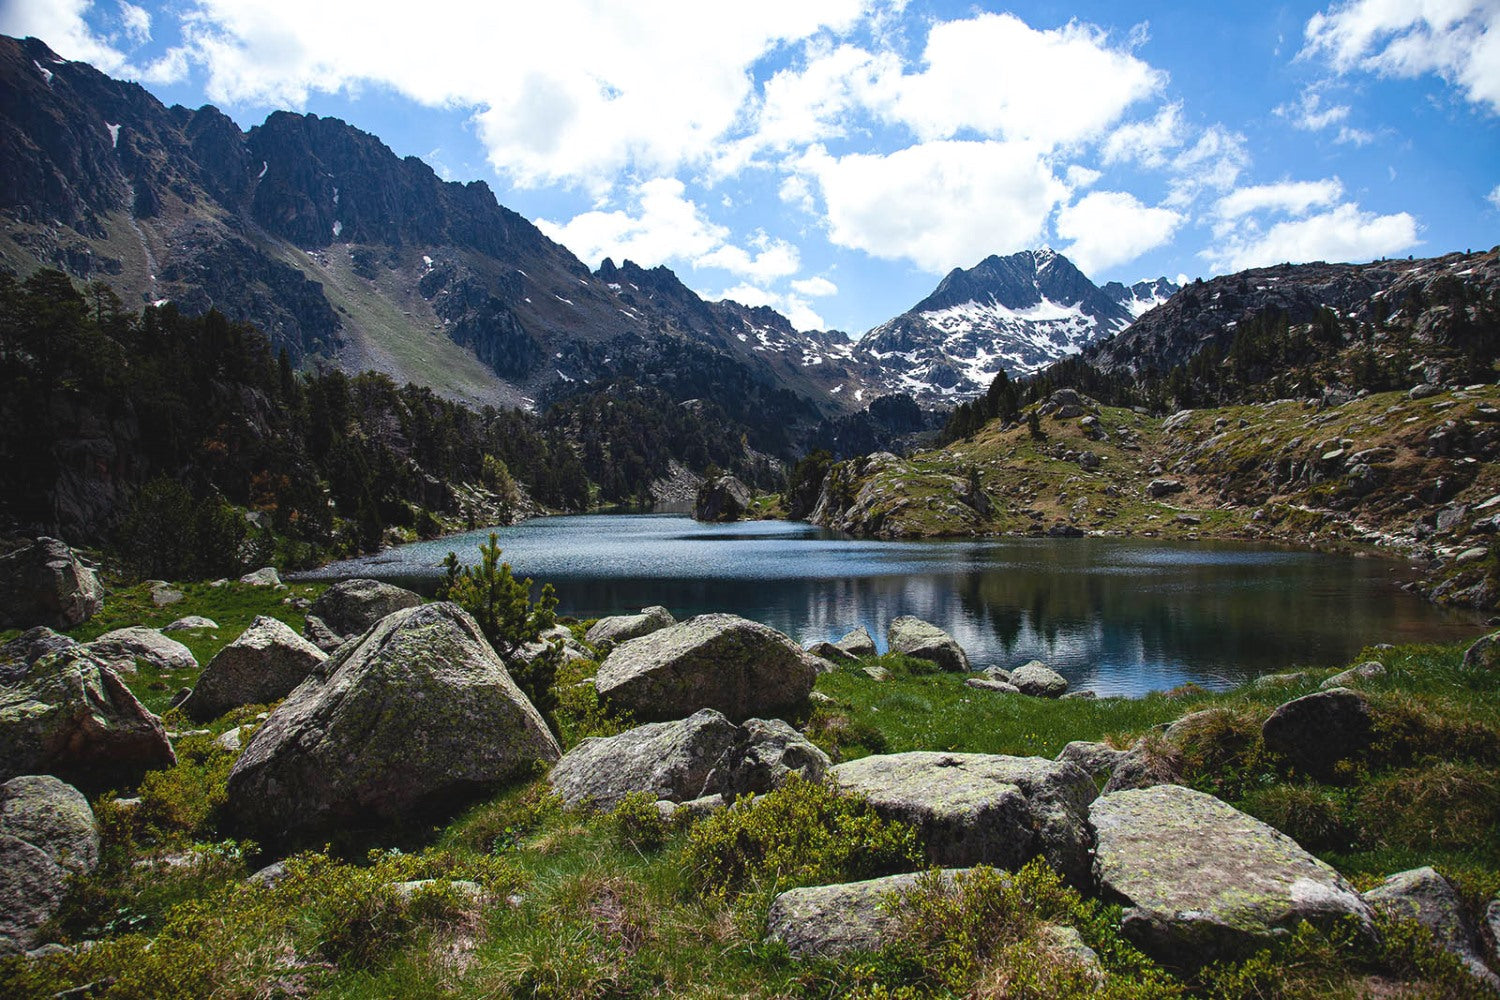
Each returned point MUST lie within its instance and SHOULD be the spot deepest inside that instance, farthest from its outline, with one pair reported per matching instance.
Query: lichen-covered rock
(830, 921)
(619, 628)
(1355, 674)
(190, 623)
(983, 808)
(1425, 896)
(1201, 881)
(724, 662)
(690, 759)
(32, 887)
(17, 656)
(124, 648)
(265, 663)
(412, 718)
(44, 584)
(316, 631)
(1098, 759)
(858, 643)
(1039, 680)
(1484, 654)
(54, 816)
(266, 576)
(349, 607)
(921, 640)
(73, 717)
(1318, 731)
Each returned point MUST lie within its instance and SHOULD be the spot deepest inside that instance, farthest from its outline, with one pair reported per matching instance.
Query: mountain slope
(1016, 314)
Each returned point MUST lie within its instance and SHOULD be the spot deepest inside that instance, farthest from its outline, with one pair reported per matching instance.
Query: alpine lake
(1116, 616)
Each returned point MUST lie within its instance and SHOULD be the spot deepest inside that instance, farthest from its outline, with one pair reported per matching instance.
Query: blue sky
(834, 158)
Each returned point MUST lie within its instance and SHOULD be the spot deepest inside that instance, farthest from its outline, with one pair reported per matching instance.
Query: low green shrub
(183, 802)
(803, 833)
(638, 824)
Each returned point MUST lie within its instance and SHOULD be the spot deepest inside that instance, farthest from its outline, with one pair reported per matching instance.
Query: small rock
(1425, 896)
(1318, 731)
(18, 655)
(1425, 390)
(1352, 676)
(1079, 696)
(722, 500)
(831, 652)
(921, 640)
(231, 739)
(1470, 555)
(986, 684)
(349, 607)
(266, 576)
(858, 643)
(1038, 680)
(829, 921)
(995, 673)
(51, 815)
(1484, 654)
(1280, 680)
(876, 672)
(1097, 759)
(1159, 488)
(164, 596)
(191, 623)
(265, 663)
(122, 649)
(316, 631)
(622, 627)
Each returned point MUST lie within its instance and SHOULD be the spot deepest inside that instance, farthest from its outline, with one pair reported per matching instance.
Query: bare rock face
(983, 808)
(123, 648)
(724, 662)
(265, 663)
(71, 716)
(45, 584)
(619, 628)
(925, 641)
(409, 720)
(703, 755)
(351, 606)
(1202, 881)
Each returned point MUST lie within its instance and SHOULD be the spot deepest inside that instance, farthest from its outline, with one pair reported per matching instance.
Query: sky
(835, 158)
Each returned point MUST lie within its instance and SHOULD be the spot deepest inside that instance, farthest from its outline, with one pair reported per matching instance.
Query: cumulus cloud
(940, 204)
(1494, 196)
(60, 23)
(816, 287)
(1291, 197)
(1147, 142)
(1213, 163)
(665, 224)
(1310, 114)
(1345, 233)
(1108, 228)
(1457, 40)
(772, 259)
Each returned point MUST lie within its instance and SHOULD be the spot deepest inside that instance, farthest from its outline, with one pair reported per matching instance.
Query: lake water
(1116, 616)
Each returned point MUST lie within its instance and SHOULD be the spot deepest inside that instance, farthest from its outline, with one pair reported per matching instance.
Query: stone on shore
(921, 640)
(1317, 732)
(1039, 680)
(1425, 896)
(619, 628)
(858, 643)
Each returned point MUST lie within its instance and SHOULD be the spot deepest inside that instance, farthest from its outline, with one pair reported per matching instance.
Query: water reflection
(1117, 616)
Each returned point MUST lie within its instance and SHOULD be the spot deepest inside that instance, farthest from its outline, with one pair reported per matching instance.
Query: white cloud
(996, 76)
(1213, 163)
(776, 259)
(1344, 233)
(1494, 196)
(1112, 227)
(818, 287)
(135, 21)
(1458, 40)
(60, 24)
(1311, 115)
(666, 225)
(1291, 197)
(566, 92)
(793, 307)
(1080, 177)
(1147, 142)
(939, 204)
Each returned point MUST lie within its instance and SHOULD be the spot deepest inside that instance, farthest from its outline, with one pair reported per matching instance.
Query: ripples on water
(1117, 616)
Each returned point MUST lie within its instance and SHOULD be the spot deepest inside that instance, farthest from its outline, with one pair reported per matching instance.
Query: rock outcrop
(983, 808)
(619, 628)
(723, 499)
(44, 583)
(1202, 881)
(1098, 759)
(921, 640)
(122, 649)
(73, 717)
(265, 663)
(692, 758)
(414, 717)
(724, 662)
(351, 606)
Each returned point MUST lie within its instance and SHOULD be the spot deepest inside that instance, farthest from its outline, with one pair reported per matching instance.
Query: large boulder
(351, 606)
(1201, 881)
(982, 808)
(859, 643)
(265, 663)
(32, 887)
(71, 716)
(54, 816)
(1318, 731)
(1039, 680)
(925, 641)
(830, 921)
(414, 717)
(45, 584)
(1484, 654)
(721, 499)
(17, 656)
(1425, 896)
(619, 628)
(725, 662)
(702, 755)
(124, 648)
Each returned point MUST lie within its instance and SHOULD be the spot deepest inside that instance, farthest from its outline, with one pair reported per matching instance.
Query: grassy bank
(533, 900)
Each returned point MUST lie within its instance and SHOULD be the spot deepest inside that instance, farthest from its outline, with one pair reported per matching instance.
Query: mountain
(1017, 314)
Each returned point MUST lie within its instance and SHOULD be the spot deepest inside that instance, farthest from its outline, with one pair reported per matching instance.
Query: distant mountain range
(347, 255)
